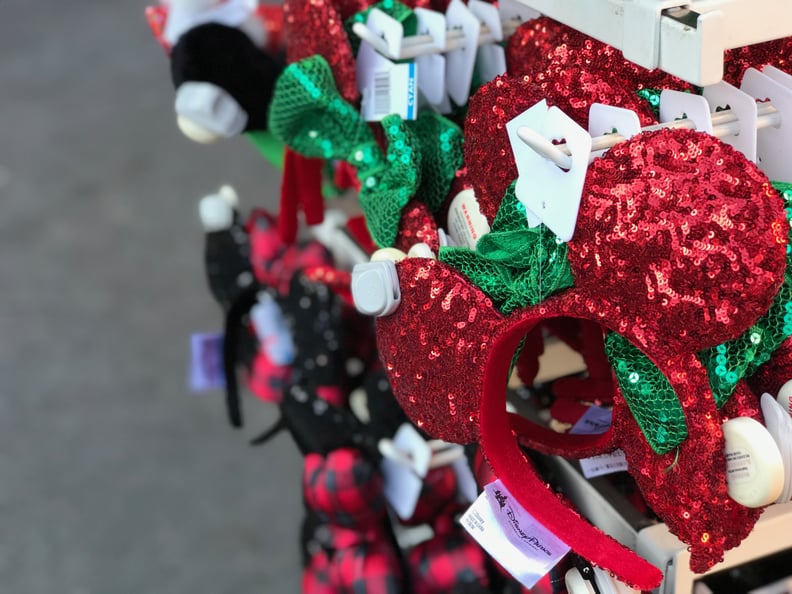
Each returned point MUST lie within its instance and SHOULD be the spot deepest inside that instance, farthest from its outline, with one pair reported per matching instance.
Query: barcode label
(382, 94)
(390, 89)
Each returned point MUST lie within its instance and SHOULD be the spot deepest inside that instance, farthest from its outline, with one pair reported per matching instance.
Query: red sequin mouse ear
(683, 235)
(547, 51)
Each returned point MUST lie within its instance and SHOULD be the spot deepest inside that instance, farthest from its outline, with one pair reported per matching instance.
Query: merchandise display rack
(686, 39)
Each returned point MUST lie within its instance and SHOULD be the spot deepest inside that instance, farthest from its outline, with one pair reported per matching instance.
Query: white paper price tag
(403, 477)
(386, 26)
(604, 119)
(490, 62)
(550, 194)
(386, 87)
(273, 334)
(512, 9)
(432, 67)
(488, 14)
(525, 548)
(460, 63)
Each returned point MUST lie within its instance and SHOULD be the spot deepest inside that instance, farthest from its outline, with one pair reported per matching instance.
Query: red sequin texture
(775, 373)
(417, 225)
(434, 348)
(736, 61)
(315, 27)
(487, 152)
(687, 487)
(544, 46)
(683, 232)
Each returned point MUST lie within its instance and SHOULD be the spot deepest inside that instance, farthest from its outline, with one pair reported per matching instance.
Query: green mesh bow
(653, 402)
(309, 115)
(441, 155)
(515, 265)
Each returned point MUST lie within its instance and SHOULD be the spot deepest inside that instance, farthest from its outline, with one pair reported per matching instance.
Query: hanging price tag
(597, 420)
(594, 421)
(404, 477)
(525, 548)
(206, 363)
(614, 461)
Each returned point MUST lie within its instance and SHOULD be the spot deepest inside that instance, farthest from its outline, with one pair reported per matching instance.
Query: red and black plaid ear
(437, 501)
(344, 489)
(275, 262)
(449, 562)
(371, 567)
(316, 577)
(319, 427)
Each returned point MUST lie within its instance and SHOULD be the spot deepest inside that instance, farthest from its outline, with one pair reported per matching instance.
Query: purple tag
(206, 366)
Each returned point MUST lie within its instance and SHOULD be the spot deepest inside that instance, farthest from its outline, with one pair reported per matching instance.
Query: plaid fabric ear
(370, 568)
(316, 575)
(344, 488)
(448, 562)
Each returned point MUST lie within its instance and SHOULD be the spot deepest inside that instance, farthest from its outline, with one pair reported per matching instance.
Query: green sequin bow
(309, 115)
(514, 264)
(651, 398)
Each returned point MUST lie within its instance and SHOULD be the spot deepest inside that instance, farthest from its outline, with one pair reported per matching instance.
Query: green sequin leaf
(737, 359)
(649, 395)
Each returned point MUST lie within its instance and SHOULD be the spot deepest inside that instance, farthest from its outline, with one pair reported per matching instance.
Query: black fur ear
(320, 427)
(228, 58)
(386, 414)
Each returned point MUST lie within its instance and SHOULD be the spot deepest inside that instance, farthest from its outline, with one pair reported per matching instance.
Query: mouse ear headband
(680, 248)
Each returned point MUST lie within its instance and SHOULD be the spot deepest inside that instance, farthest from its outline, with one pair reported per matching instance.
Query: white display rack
(686, 39)
(607, 509)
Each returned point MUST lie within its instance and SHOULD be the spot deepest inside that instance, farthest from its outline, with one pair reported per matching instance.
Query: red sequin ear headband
(680, 246)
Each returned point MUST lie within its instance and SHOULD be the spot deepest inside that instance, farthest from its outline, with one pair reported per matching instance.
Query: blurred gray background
(114, 478)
